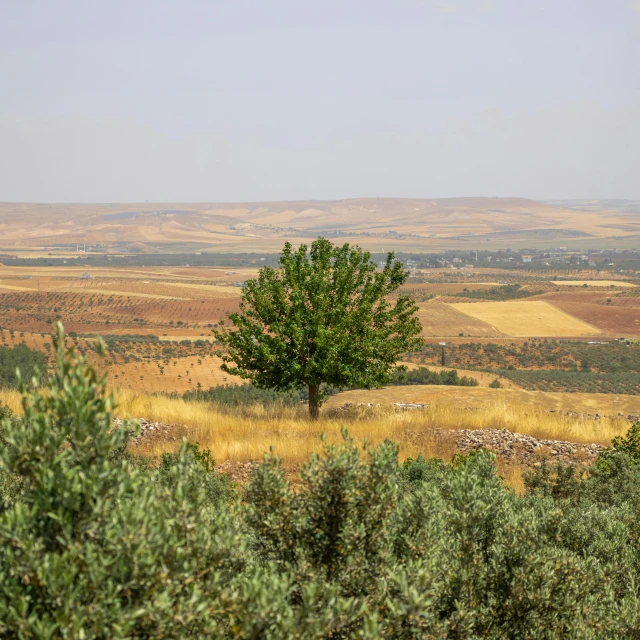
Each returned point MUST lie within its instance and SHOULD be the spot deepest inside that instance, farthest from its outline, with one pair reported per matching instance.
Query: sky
(249, 100)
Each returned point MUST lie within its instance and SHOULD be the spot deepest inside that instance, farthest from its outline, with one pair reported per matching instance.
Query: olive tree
(325, 316)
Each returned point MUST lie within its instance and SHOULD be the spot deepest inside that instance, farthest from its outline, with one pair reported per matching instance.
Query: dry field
(478, 398)
(159, 300)
(443, 320)
(247, 435)
(615, 320)
(526, 319)
(244, 435)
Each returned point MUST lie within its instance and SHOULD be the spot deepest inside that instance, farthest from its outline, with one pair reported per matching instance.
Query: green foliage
(22, 358)
(422, 375)
(506, 292)
(218, 488)
(245, 394)
(495, 384)
(95, 548)
(627, 446)
(97, 543)
(575, 381)
(323, 317)
(550, 365)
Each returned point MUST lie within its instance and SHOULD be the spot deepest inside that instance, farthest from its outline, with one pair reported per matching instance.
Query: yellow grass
(11, 399)
(478, 398)
(594, 283)
(527, 318)
(243, 435)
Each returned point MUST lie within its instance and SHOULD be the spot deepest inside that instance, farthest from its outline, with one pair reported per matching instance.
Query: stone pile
(523, 449)
(159, 430)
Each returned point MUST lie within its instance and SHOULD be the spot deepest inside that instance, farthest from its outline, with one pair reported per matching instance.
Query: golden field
(531, 318)
(243, 435)
(246, 434)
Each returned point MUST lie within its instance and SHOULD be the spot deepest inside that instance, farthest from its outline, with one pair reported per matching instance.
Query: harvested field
(442, 320)
(581, 295)
(527, 318)
(108, 312)
(180, 375)
(616, 320)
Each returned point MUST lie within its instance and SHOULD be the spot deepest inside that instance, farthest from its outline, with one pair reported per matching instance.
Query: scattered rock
(522, 448)
(155, 430)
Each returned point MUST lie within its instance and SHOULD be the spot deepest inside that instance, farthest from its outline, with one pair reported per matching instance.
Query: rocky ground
(512, 448)
(522, 449)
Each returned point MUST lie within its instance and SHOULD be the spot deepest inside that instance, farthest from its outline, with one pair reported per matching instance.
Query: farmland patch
(526, 318)
(442, 320)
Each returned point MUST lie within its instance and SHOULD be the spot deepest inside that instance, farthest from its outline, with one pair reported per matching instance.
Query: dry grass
(528, 318)
(243, 435)
(11, 399)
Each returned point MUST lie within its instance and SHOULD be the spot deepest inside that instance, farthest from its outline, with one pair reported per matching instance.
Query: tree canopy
(323, 317)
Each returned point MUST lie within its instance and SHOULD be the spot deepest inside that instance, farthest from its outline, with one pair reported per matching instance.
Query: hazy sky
(189, 100)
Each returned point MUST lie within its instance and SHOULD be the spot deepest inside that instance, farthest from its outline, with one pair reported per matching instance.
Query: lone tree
(323, 317)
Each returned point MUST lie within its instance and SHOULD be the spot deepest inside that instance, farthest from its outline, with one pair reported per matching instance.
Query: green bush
(97, 543)
(22, 358)
(246, 394)
(422, 375)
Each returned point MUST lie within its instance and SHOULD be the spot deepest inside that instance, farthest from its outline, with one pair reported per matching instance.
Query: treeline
(97, 543)
(507, 292)
(23, 358)
(422, 375)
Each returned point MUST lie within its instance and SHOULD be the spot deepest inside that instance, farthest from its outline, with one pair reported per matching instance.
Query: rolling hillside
(378, 223)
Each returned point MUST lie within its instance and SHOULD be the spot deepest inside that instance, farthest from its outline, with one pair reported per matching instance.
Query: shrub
(422, 375)
(20, 357)
(98, 543)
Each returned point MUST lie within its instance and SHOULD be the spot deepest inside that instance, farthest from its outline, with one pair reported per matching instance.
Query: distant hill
(621, 206)
(410, 224)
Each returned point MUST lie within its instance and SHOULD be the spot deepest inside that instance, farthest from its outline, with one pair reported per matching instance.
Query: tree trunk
(314, 401)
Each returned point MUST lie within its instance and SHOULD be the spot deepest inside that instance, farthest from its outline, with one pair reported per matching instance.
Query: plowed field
(621, 321)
